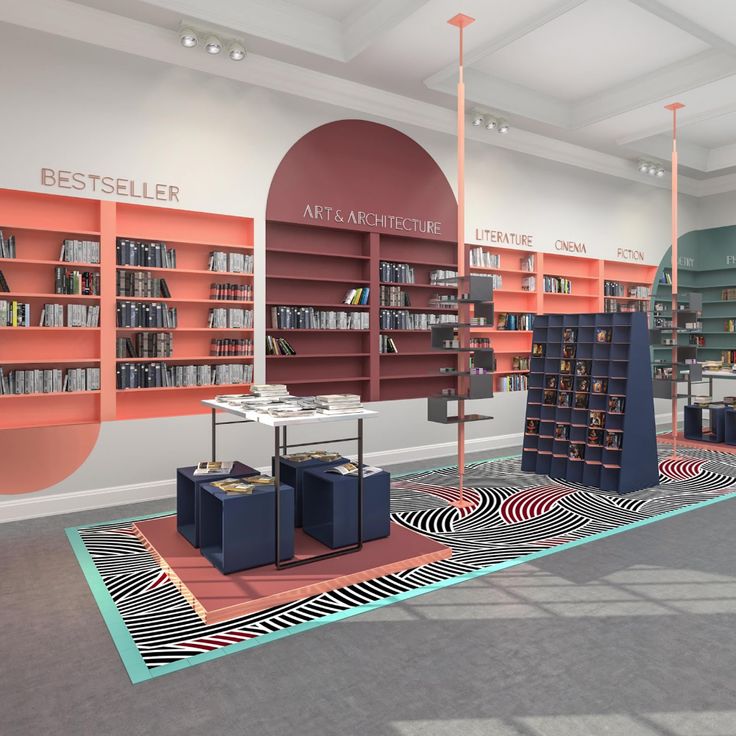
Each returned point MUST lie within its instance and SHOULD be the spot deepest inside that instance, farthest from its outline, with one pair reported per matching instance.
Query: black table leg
(277, 485)
(214, 435)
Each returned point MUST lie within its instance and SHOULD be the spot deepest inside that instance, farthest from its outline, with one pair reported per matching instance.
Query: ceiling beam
(367, 23)
(275, 20)
(500, 41)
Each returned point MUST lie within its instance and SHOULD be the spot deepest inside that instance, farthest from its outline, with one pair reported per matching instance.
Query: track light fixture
(213, 45)
(236, 51)
(651, 168)
(189, 37)
(479, 119)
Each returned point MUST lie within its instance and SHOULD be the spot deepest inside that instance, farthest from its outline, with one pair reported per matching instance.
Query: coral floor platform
(217, 597)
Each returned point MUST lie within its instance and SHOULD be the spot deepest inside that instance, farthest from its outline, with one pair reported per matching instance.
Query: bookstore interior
(373, 335)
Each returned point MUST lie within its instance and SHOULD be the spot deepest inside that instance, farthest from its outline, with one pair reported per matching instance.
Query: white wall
(73, 106)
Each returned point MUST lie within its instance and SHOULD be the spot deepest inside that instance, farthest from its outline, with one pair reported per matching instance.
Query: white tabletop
(271, 421)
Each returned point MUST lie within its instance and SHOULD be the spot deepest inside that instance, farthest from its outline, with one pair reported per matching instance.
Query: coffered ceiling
(580, 80)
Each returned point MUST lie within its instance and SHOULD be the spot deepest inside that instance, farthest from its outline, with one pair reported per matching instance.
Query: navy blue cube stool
(188, 487)
(331, 507)
(292, 473)
(237, 531)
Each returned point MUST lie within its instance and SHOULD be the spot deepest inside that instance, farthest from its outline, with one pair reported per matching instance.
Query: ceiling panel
(713, 133)
(593, 47)
(716, 16)
(337, 9)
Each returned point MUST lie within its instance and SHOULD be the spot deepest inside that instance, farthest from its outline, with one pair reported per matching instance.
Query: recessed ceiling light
(236, 51)
(491, 123)
(503, 127)
(478, 120)
(643, 167)
(188, 38)
(213, 45)
(652, 170)
(660, 172)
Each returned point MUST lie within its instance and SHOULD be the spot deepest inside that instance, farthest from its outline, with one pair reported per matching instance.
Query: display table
(236, 530)
(711, 376)
(280, 427)
(188, 497)
(330, 502)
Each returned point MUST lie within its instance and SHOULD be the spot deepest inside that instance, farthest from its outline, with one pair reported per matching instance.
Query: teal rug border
(139, 672)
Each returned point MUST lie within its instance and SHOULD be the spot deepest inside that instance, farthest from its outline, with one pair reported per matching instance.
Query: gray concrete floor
(632, 635)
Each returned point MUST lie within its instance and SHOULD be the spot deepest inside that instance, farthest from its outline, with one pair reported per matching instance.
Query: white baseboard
(33, 507)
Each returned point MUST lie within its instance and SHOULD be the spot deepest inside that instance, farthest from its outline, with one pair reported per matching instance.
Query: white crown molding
(89, 25)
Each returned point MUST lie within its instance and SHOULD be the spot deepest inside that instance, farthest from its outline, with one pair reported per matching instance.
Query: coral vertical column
(108, 396)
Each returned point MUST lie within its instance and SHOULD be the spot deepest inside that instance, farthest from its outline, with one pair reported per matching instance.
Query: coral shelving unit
(40, 222)
(312, 266)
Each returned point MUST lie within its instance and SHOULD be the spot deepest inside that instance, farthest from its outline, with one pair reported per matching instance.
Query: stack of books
(140, 283)
(482, 258)
(358, 295)
(144, 253)
(335, 404)
(230, 262)
(77, 315)
(231, 292)
(269, 391)
(14, 314)
(80, 251)
(143, 314)
(146, 345)
(233, 318)
(67, 281)
(396, 273)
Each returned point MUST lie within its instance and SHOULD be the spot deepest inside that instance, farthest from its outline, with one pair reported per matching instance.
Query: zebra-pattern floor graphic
(514, 514)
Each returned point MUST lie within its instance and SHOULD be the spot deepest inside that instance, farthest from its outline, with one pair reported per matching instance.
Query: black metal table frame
(281, 445)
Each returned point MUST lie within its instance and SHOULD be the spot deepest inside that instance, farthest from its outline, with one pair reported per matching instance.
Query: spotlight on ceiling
(491, 123)
(188, 38)
(477, 120)
(213, 45)
(652, 170)
(503, 126)
(660, 172)
(643, 167)
(236, 51)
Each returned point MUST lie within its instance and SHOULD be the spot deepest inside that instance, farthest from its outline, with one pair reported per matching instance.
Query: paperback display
(67, 281)
(232, 318)
(214, 467)
(161, 375)
(80, 251)
(77, 315)
(144, 253)
(352, 469)
(141, 283)
(145, 314)
(49, 381)
(7, 246)
(231, 292)
(309, 318)
(230, 262)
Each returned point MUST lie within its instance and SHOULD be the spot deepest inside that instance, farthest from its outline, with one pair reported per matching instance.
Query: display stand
(590, 409)
(281, 445)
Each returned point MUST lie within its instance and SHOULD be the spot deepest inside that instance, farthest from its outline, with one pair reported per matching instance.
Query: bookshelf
(40, 222)
(590, 408)
(312, 266)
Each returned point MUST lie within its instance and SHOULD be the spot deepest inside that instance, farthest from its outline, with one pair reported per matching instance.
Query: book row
(144, 253)
(278, 346)
(231, 292)
(80, 251)
(357, 295)
(396, 319)
(141, 283)
(397, 273)
(7, 246)
(482, 258)
(557, 285)
(513, 383)
(309, 318)
(225, 347)
(387, 344)
(49, 381)
(616, 288)
(85, 283)
(145, 314)
(230, 262)
(613, 305)
(77, 315)
(145, 345)
(509, 321)
(234, 317)
(161, 375)
(442, 276)
(394, 296)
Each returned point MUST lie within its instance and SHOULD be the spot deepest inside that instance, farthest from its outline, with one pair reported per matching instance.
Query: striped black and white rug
(514, 515)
